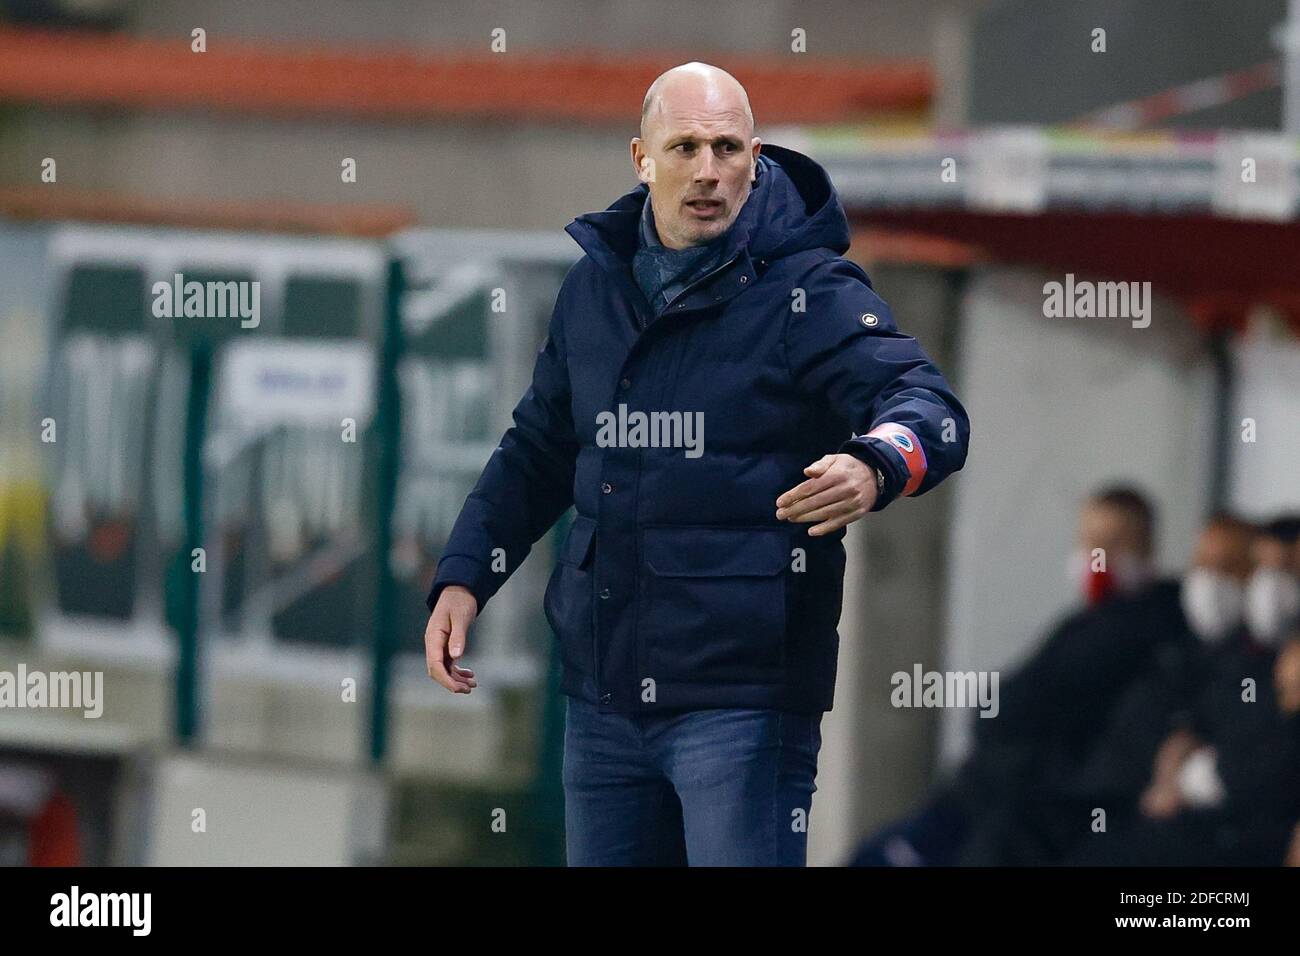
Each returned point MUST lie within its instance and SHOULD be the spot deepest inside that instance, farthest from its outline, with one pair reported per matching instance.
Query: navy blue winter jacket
(677, 587)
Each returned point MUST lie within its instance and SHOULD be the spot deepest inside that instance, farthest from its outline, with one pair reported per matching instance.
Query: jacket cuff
(870, 451)
(467, 572)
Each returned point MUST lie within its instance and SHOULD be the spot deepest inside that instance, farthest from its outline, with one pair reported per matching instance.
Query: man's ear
(755, 145)
(643, 169)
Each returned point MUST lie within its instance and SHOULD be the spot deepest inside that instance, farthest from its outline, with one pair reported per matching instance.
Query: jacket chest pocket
(714, 602)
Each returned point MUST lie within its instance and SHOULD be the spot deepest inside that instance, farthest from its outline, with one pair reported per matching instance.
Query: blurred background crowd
(1165, 711)
(396, 177)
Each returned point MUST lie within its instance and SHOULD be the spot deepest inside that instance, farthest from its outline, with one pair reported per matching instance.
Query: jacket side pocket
(568, 599)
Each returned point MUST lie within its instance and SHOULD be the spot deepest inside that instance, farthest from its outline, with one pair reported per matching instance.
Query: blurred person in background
(1115, 553)
(1224, 786)
(1271, 601)
(1286, 683)
(992, 810)
(1155, 704)
(697, 665)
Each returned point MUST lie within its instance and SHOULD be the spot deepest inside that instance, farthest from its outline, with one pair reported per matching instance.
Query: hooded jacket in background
(677, 587)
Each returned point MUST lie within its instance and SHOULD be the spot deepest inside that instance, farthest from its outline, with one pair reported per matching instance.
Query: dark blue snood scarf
(662, 273)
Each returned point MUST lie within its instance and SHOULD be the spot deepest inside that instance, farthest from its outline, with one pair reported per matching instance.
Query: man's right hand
(1163, 798)
(444, 638)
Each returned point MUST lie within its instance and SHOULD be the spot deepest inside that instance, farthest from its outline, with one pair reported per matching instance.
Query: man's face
(1112, 529)
(699, 162)
(1272, 552)
(1119, 536)
(1226, 549)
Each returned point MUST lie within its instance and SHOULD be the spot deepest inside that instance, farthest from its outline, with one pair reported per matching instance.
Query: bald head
(693, 84)
(697, 152)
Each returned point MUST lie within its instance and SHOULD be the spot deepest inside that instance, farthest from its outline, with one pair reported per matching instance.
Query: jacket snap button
(681, 305)
(869, 320)
(606, 698)
(604, 594)
(606, 488)
(744, 279)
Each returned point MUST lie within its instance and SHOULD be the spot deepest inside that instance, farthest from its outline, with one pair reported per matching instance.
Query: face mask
(1124, 574)
(1212, 602)
(1272, 604)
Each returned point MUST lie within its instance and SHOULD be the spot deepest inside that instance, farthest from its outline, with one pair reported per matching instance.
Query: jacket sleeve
(845, 346)
(526, 485)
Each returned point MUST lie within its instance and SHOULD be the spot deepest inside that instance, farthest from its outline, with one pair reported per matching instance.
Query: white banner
(265, 384)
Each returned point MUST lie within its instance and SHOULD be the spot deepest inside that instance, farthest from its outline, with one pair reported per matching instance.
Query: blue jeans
(722, 787)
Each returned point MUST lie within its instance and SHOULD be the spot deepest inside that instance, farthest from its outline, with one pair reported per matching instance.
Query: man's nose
(707, 171)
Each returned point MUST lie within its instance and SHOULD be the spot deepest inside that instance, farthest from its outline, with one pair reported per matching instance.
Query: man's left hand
(840, 489)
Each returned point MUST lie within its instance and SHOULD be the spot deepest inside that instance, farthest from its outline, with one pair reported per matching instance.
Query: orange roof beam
(71, 68)
(359, 220)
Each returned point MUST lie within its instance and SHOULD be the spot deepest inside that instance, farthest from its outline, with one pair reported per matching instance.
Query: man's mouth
(705, 208)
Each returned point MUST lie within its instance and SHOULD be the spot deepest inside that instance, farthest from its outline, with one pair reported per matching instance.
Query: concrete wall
(876, 758)
(1058, 407)
(1151, 45)
(1265, 465)
(216, 810)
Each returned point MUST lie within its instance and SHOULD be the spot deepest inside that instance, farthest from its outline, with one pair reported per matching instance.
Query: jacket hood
(792, 207)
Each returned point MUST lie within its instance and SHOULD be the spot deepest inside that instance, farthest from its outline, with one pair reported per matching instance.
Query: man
(1148, 730)
(1010, 801)
(1271, 600)
(1116, 544)
(1224, 785)
(696, 596)
(1109, 706)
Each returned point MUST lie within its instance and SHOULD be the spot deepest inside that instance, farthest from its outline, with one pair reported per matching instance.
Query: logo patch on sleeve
(902, 441)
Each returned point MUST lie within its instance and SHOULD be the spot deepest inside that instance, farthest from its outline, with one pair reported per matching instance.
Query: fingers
(839, 509)
(806, 488)
(822, 475)
(835, 496)
(802, 510)
(457, 679)
(837, 522)
(437, 657)
(842, 506)
(456, 643)
(437, 663)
